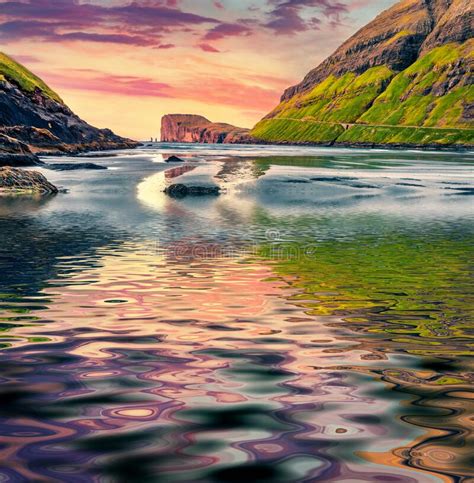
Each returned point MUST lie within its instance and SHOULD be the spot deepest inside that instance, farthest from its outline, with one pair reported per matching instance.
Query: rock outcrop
(37, 117)
(189, 128)
(403, 79)
(181, 190)
(74, 166)
(15, 153)
(14, 180)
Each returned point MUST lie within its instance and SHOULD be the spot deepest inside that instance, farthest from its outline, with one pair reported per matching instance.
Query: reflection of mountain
(179, 171)
(31, 248)
(149, 354)
(161, 354)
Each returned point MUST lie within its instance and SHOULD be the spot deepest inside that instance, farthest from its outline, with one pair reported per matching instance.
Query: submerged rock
(174, 159)
(181, 190)
(73, 166)
(20, 180)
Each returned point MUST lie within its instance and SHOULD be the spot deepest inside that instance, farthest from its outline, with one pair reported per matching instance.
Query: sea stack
(190, 128)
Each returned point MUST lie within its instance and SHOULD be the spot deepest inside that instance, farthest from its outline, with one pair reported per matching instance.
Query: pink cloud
(211, 90)
(229, 92)
(208, 48)
(288, 18)
(92, 80)
(133, 23)
(224, 30)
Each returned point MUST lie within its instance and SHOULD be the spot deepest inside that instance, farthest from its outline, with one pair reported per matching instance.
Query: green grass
(411, 98)
(409, 101)
(338, 99)
(407, 135)
(399, 35)
(278, 130)
(23, 78)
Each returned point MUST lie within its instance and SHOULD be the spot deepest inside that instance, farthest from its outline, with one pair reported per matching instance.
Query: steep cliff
(37, 117)
(188, 128)
(405, 78)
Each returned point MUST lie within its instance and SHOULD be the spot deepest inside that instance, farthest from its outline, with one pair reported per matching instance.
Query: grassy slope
(380, 97)
(26, 80)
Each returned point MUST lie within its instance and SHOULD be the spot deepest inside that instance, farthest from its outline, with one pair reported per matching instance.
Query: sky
(123, 64)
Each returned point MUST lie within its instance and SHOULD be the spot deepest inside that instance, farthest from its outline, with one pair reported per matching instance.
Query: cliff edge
(403, 79)
(190, 128)
(34, 118)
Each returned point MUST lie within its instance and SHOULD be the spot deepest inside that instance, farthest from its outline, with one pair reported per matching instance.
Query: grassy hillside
(413, 99)
(407, 135)
(342, 99)
(427, 103)
(22, 77)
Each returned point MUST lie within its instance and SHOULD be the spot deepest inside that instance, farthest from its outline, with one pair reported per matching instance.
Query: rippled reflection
(272, 334)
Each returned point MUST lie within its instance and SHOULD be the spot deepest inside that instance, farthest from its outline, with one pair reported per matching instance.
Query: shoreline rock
(74, 166)
(181, 190)
(174, 159)
(16, 153)
(14, 180)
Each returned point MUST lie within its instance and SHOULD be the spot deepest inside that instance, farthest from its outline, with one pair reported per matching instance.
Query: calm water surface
(312, 323)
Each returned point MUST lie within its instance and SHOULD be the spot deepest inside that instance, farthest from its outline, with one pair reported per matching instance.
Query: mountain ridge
(404, 78)
(36, 117)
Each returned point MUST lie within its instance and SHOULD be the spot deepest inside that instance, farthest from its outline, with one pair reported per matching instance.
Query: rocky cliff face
(405, 78)
(188, 128)
(36, 116)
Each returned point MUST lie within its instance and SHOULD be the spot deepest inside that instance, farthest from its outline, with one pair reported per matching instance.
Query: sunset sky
(123, 64)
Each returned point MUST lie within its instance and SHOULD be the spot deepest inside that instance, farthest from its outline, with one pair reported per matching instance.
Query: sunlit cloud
(124, 63)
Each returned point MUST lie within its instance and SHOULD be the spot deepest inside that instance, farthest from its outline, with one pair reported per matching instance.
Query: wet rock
(73, 166)
(181, 190)
(174, 159)
(19, 180)
(18, 160)
(15, 153)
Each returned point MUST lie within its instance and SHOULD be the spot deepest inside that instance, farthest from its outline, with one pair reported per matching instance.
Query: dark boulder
(181, 190)
(18, 160)
(174, 159)
(73, 166)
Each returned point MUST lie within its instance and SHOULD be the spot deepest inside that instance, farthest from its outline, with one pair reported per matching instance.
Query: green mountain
(33, 118)
(406, 78)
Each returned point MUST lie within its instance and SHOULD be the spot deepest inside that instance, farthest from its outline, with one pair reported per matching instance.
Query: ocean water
(314, 322)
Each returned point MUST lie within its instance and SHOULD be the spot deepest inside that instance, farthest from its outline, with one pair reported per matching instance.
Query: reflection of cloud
(150, 191)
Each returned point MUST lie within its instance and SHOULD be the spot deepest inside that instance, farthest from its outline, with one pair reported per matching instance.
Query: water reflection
(190, 382)
(151, 339)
